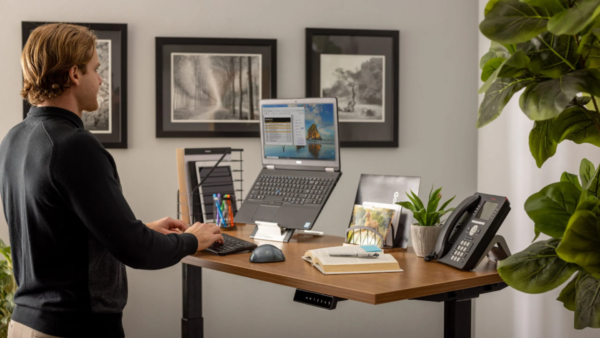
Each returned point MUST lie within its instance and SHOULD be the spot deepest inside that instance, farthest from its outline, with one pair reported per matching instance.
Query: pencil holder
(223, 212)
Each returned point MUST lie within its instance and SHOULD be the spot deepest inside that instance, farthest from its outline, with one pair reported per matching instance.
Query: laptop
(300, 159)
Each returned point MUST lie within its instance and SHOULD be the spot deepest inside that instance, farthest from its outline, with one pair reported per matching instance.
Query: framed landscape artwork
(361, 69)
(109, 122)
(210, 87)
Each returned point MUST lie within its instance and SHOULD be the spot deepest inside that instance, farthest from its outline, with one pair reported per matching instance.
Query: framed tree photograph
(211, 87)
(361, 69)
(109, 122)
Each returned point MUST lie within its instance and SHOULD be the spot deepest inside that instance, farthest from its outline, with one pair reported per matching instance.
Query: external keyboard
(230, 245)
(291, 189)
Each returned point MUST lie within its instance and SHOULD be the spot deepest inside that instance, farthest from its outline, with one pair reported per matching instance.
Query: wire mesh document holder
(195, 203)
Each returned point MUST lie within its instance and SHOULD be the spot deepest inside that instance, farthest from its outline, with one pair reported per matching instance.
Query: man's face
(89, 84)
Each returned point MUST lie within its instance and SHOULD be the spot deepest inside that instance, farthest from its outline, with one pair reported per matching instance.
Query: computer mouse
(267, 253)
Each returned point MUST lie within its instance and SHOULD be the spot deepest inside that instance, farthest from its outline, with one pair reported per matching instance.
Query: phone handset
(442, 246)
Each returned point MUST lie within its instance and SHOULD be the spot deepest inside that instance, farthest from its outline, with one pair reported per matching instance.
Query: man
(71, 229)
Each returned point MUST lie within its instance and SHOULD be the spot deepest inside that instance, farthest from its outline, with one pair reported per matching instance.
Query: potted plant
(425, 232)
(8, 286)
(551, 49)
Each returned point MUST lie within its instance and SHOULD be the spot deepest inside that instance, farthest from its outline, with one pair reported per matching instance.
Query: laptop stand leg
(192, 323)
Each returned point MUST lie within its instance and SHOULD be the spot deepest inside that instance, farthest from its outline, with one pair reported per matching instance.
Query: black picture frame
(116, 136)
(166, 126)
(382, 44)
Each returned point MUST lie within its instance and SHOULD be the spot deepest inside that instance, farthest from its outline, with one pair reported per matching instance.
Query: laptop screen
(299, 131)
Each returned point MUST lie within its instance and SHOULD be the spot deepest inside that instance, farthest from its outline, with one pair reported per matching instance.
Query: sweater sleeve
(86, 176)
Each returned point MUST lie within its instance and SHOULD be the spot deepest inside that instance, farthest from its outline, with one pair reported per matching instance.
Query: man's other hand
(206, 234)
(168, 225)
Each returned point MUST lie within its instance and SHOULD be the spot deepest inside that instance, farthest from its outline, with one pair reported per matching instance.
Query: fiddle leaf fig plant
(549, 52)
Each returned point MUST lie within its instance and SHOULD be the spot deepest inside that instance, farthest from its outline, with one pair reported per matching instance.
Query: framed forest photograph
(209, 87)
(109, 122)
(361, 69)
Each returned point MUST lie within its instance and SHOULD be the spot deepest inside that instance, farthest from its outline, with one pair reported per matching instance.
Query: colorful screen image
(299, 131)
(370, 221)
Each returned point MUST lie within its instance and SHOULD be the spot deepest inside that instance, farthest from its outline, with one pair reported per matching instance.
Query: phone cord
(429, 257)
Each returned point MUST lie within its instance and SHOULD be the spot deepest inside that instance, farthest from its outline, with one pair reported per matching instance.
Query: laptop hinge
(329, 170)
(271, 167)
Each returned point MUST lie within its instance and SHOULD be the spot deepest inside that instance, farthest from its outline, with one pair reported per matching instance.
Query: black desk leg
(192, 323)
(457, 318)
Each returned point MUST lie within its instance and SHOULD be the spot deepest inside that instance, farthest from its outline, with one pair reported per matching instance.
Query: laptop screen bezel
(301, 163)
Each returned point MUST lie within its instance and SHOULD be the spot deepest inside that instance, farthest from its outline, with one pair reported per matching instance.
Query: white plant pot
(424, 238)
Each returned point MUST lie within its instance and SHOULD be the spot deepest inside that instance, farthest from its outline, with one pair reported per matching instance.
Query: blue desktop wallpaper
(320, 135)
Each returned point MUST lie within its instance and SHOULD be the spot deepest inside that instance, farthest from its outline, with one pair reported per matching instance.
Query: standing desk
(420, 280)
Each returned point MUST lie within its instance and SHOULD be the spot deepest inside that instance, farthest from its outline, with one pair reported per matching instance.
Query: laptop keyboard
(291, 189)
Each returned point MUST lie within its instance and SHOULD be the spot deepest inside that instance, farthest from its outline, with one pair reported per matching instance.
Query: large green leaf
(593, 184)
(511, 21)
(587, 310)
(589, 48)
(581, 242)
(536, 269)
(568, 295)
(570, 178)
(488, 7)
(545, 100)
(514, 66)
(554, 6)
(575, 125)
(587, 172)
(497, 97)
(552, 207)
(541, 141)
(571, 21)
(551, 55)
(490, 67)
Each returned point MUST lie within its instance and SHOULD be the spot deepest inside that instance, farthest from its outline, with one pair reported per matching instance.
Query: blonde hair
(50, 52)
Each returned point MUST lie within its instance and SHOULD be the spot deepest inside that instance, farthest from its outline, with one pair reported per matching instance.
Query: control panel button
(473, 230)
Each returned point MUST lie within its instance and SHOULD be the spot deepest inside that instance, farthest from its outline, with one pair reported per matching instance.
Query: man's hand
(206, 234)
(168, 225)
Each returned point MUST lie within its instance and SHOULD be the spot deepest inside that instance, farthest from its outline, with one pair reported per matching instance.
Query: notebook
(321, 259)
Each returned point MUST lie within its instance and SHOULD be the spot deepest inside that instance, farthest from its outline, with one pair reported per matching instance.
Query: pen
(220, 213)
(215, 202)
(357, 255)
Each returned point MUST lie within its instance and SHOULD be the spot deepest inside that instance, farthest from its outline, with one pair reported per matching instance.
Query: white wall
(506, 167)
(438, 65)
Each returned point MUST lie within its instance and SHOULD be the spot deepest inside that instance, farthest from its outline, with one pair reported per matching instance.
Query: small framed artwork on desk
(109, 122)
(208, 87)
(361, 69)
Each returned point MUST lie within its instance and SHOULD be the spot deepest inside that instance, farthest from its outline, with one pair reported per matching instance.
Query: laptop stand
(271, 232)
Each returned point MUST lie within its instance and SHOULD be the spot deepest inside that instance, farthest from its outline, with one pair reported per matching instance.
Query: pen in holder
(223, 212)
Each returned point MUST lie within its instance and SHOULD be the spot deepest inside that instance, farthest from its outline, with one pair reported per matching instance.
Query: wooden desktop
(421, 280)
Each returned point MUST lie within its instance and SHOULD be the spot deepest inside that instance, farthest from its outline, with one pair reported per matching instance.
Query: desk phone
(470, 232)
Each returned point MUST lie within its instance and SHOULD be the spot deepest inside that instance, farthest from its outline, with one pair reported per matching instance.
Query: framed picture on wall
(211, 87)
(361, 69)
(109, 122)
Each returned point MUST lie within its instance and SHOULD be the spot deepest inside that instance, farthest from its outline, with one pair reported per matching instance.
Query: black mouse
(267, 254)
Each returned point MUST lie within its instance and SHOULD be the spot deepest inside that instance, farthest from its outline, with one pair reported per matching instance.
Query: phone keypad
(462, 249)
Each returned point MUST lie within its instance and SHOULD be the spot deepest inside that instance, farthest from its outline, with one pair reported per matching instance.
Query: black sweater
(71, 229)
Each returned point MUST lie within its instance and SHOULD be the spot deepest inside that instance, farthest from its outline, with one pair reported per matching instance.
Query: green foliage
(550, 48)
(536, 269)
(430, 214)
(569, 212)
(8, 286)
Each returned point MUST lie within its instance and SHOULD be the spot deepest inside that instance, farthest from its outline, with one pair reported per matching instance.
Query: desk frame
(457, 306)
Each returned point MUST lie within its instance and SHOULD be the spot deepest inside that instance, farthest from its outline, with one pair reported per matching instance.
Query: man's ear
(74, 75)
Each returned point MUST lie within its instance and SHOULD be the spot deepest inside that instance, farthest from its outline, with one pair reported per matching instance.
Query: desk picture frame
(109, 122)
(361, 68)
(211, 87)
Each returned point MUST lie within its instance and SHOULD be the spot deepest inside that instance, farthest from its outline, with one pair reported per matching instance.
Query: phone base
(497, 250)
